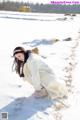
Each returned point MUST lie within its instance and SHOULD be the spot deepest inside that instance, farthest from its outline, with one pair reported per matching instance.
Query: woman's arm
(34, 68)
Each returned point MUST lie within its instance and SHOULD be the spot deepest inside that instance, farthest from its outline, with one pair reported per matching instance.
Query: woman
(33, 69)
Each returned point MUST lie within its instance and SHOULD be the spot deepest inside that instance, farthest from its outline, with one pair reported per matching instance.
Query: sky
(40, 1)
(34, 1)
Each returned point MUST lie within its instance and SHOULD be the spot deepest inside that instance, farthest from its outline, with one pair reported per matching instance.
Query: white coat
(39, 74)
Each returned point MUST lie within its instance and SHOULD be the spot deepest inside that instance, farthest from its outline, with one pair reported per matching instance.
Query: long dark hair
(17, 64)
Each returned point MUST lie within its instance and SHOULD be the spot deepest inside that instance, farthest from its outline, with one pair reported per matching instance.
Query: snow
(38, 29)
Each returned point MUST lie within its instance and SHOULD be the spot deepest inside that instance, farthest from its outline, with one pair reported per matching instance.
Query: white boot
(41, 93)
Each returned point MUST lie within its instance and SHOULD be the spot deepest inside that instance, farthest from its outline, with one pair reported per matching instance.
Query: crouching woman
(33, 69)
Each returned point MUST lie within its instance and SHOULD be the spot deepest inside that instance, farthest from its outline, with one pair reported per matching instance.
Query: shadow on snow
(24, 108)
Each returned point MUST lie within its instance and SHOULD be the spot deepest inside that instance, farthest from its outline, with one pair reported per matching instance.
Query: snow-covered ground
(35, 29)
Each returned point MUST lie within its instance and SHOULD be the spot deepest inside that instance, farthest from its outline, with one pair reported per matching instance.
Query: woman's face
(20, 56)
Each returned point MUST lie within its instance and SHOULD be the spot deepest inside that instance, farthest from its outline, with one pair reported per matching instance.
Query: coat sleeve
(34, 68)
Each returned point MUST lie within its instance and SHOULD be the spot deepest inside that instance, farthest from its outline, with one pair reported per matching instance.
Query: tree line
(42, 8)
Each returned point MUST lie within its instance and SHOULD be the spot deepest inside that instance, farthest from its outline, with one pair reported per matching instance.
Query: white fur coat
(39, 74)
